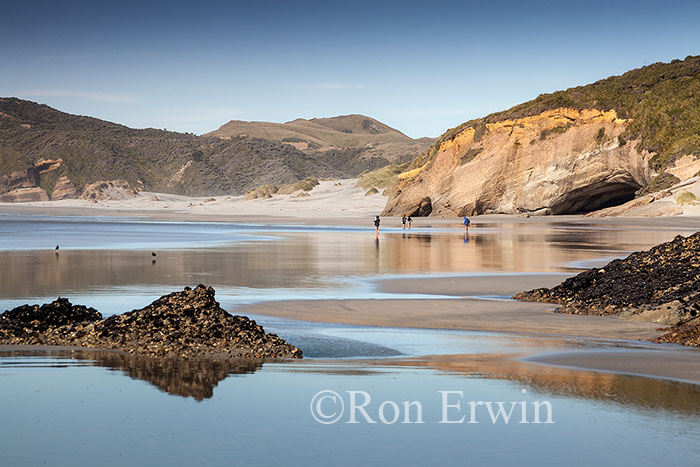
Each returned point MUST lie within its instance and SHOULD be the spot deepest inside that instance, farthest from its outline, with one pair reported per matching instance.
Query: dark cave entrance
(597, 196)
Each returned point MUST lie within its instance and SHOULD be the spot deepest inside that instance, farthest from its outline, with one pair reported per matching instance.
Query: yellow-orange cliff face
(560, 161)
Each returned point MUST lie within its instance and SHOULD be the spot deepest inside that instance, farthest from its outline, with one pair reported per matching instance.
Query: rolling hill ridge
(352, 143)
(49, 154)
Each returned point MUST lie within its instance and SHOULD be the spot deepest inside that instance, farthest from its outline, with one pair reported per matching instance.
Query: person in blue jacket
(466, 224)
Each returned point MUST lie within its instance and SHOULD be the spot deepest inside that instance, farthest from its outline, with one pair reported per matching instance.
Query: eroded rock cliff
(559, 161)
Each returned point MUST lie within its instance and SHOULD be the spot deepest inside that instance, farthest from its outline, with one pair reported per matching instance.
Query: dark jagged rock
(686, 334)
(183, 324)
(29, 321)
(660, 285)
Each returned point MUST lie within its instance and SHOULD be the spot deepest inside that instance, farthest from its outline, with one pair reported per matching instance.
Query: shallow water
(61, 411)
(108, 264)
(64, 407)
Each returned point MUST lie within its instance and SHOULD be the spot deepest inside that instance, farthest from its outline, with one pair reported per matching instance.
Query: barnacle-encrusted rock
(660, 285)
(29, 322)
(184, 324)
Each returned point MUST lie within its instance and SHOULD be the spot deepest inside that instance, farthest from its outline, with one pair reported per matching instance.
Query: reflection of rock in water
(180, 377)
(195, 378)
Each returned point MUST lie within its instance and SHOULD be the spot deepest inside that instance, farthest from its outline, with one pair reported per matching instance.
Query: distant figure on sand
(376, 224)
(466, 224)
(403, 221)
(57, 250)
(410, 221)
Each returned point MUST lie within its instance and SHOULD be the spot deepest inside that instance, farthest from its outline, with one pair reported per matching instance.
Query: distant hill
(350, 143)
(41, 146)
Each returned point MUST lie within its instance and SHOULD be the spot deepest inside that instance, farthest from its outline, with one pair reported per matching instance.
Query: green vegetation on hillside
(663, 101)
(687, 197)
(557, 130)
(150, 159)
(383, 177)
(266, 191)
(663, 181)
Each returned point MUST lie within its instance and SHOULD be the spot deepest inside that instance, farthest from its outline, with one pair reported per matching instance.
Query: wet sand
(495, 315)
(468, 286)
(465, 314)
(671, 362)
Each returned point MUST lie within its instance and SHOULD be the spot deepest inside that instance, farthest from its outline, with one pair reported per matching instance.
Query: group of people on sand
(408, 220)
(404, 220)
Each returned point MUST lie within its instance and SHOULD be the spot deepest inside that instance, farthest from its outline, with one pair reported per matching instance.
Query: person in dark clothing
(410, 221)
(376, 224)
(403, 221)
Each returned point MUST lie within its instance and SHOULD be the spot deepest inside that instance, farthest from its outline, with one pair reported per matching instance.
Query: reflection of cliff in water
(303, 260)
(641, 393)
(195, 378)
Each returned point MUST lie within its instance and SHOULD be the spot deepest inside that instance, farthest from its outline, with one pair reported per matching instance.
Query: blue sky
(421, 67)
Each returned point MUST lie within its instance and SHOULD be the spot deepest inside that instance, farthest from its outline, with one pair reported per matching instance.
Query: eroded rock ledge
(182, 324)
(659, 285)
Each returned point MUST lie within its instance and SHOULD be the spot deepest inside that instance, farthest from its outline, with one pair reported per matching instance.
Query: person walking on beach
(410, 221)
(466, 224)
(403, 221)
(376, 224)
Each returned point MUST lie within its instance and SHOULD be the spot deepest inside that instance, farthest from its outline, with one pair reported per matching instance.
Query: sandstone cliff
(576, 150)
(28, 185)
(559, 161)
(25, 185)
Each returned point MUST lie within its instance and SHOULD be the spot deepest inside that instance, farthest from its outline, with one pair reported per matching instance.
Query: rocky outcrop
(64, 189)
(29, 322)
(109, 190)
(183, 324)
(660, 285)
(559, 161)
(24, 186)
(24, 195)
(685, 334)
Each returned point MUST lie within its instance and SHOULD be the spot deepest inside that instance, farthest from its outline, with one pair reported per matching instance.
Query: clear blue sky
(421, 67)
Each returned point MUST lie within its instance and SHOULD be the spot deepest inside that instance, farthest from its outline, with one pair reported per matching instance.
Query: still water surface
(63, 407)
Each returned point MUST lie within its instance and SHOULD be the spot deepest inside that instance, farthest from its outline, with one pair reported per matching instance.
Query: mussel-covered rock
(29, 321)
(190, 323)
(659, 285)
